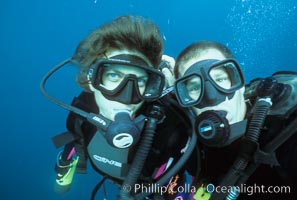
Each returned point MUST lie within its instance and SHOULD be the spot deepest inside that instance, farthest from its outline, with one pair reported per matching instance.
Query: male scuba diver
(130, 130)
(247, 133)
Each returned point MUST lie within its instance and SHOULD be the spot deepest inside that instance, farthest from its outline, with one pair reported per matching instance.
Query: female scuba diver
(132, 132)
(248, 133)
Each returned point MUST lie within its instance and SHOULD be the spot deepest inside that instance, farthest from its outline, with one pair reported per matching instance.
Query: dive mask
(208, 83)
(127, 79)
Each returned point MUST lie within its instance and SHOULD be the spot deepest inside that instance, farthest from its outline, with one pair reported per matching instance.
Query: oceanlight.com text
(249, 189)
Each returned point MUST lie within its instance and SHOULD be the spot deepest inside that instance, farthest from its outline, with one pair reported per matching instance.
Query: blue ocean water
(36, 35)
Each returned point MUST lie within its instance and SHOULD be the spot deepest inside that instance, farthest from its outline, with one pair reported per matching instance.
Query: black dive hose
(258, 119)
(54, 100)
(248, 147)
(139, 159)
(175, 168)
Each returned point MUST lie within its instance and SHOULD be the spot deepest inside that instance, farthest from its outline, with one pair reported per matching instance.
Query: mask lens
(189, 89)
(226, 76)
(154, 85)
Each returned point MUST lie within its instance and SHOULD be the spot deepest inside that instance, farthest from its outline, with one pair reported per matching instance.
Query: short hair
(129, 32)
(196, 49)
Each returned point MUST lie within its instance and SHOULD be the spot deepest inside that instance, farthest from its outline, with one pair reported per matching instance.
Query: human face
(111, 78)
(235, 106)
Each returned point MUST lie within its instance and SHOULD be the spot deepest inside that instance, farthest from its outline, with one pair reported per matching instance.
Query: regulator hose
(139, 159)
(258, 119)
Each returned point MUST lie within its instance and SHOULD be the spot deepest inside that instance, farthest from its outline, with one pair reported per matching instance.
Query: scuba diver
(130, 130)
(247, 133)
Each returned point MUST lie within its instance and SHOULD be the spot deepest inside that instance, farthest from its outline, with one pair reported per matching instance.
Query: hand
(166, 67)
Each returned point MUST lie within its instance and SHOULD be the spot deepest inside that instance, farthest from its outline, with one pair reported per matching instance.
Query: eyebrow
(198, 81)
(222, 73)
(113, 70)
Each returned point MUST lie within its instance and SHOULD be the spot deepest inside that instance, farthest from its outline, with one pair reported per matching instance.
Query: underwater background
(37, 35)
